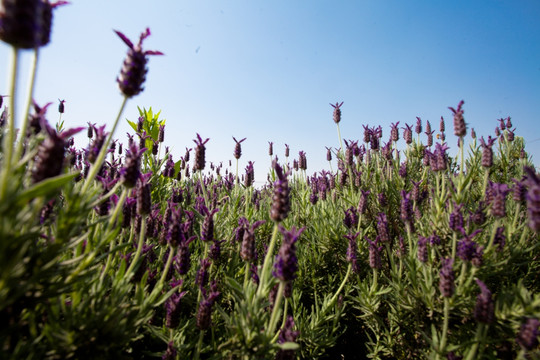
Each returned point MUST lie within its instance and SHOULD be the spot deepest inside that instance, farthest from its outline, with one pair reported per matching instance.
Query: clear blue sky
(267, 70)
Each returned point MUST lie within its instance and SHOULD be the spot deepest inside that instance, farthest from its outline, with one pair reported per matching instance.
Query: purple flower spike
(51, 152)
(533, 199)
(352, 249)
(200, 151)
(204, 314)
(207, 228)
(201, 279)
(382, 228)
(407, 133)
(351, 218)
(422, 249)
(460, 128)
(467, 249)
(133, 73)
(172, 319)
(446, 278)
(337, 112)
(281, 198)
(248, 248)
(374, 253)
(487, 151)
(250, 174)
(171, 352)
(238, 148)
(131, 171)
(418, 127)
(484, 310)
(394, 132)
(406, 207)
(498, 203)
(26, 24)
(287, 334)
(286, 263)
(527, 337)
(144, 199)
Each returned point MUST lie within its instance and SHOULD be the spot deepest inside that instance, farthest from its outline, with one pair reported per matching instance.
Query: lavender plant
(396, 254)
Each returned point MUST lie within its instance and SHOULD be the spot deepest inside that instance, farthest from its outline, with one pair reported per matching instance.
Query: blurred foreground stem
(8, 141)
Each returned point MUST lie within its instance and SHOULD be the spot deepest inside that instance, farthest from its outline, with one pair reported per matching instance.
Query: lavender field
(399, 250)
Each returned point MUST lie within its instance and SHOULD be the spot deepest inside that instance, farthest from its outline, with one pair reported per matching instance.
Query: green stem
(275, 309)
(334, 298)
(167, 267)
(103, 152)
(342, 151)
(267, 261)
(246, 274)
(31, 86)
(442, 345)
(112, 221)
(8, 141)
(199, 345)
(139, 248)
(477, 340)
(454, 244)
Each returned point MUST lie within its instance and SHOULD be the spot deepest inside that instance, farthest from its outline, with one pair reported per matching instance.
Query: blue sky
(267, 70)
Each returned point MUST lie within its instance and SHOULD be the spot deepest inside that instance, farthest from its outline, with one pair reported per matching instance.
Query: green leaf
(45, 187)
(133, 125)
(289, 346)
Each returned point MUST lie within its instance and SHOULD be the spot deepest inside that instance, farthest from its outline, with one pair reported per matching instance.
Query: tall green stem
(267, 261)
(139, 248)
(8, 141)
(442, 345)
(104, 149)
(31, 85)
(275, 309)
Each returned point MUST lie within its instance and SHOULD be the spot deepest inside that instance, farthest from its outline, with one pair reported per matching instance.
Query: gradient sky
(267, 70)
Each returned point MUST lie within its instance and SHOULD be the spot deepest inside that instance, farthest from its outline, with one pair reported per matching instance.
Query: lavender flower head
(207, 227)
(527, 337)
(337, 112)
(533, 199)
(133, 73)
(460, 128)
(26, 24)
(446, 278)
(238, 148)
(286, 263)
(394, 132)
(352, 249)
(200, 151)
(51, 152)
(406, 209)
(487, 151)
(95, 147)
(248, 247)
(131, 171)
(144, 199)
(287, 334)
(484, 310)
(382, 228)
(172, 306)
(171, 352)
(418, 127)
(422, 249)
(467, 249)
(498, 203)
(351, 218)
(374, 253)
(204, 314)
(281, 198)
